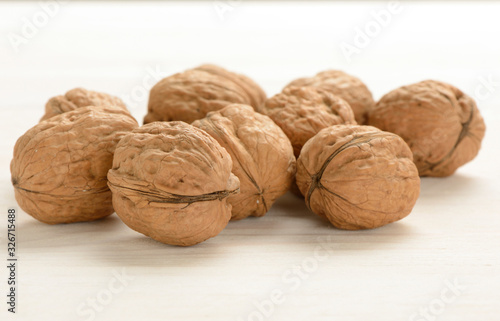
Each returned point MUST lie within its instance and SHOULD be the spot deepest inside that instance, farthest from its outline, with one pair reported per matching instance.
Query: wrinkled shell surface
(262, 156)
(170, 181)
(190, 95)
(303, 111)
(347, 87)
(60, 165)
(77, 98)
(256, 95)
(441, 124)
(358, 177)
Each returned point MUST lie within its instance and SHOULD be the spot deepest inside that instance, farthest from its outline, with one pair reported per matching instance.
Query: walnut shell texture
(256, 95)
(303, 111)
(358, 177)
(347, 87)
(190, 95)
(60, 165)
(79, 97)
(441, 124)
(171, 181)
(262, 156)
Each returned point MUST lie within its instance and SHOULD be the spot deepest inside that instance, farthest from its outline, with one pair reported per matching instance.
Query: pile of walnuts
(214, 148)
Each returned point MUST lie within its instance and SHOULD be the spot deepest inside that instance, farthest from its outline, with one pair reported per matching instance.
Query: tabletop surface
(442, 262)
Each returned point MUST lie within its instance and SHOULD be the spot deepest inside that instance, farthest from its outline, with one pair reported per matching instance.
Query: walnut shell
(256, 95)
(170, 181)
(262, 156)
(303, 111)
(60, 165)
(347, 87)
(358, 177)
(190, 95)
(79, 97)
(441, 124)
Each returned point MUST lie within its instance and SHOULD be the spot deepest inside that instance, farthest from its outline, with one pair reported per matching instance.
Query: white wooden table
(440, 263)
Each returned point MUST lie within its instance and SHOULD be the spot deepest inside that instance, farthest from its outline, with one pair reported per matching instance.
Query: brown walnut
(79, 97)
(303, 111)
(347, 87)
(358, 177)
(60, 165)
(441, 124)
(256, 95)
(190, 95)
(262, 156)
(171, 181)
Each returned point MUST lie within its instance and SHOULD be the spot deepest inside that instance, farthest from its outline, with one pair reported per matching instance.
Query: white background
(397, 272)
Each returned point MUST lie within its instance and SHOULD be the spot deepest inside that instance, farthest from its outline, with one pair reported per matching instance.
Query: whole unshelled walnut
(60, 165)
(79, 97)
(190, 95)
(303, 111)
(171, 181)
(262, 156)
(441, 124)
(347, 87)
(358, 177)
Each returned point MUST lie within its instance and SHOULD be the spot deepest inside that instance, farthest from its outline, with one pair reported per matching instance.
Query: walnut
(441, 124)
(190, 95)
(79, 97)
(358, 177)
(256, 95)
(262, 156)
(60, 165)
(303, 111)
(170, 181)
(347, 87)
